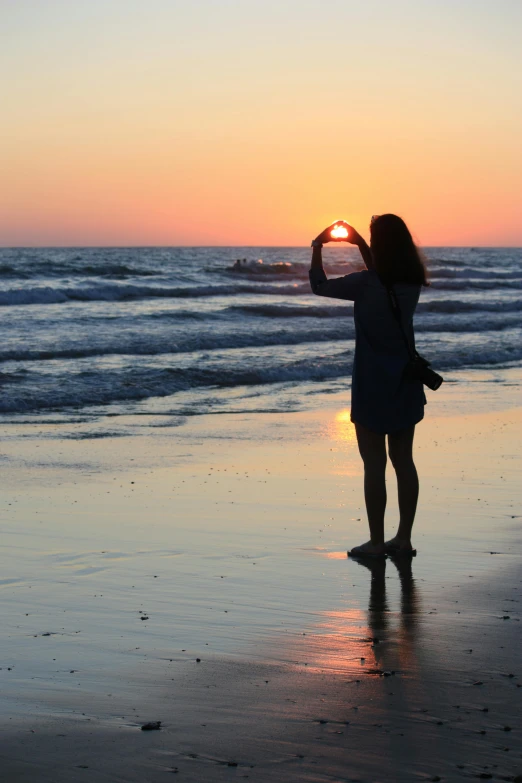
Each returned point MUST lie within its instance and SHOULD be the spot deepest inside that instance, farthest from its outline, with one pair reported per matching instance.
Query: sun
(339, 232)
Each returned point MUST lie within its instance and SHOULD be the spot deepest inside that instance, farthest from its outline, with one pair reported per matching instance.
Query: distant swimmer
(241, 263)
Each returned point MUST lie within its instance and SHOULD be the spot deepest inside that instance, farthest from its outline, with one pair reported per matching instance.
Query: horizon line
(144, 247)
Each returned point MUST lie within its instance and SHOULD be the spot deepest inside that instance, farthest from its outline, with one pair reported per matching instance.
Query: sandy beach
(194, 572)
(224, 229)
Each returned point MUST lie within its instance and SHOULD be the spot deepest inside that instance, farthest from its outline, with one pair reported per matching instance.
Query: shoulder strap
(394, 304)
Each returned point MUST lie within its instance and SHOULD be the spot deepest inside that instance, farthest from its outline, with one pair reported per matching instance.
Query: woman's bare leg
(372, 448)
(400, 448)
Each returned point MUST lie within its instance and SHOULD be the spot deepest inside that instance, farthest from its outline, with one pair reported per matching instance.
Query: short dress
(382, 399)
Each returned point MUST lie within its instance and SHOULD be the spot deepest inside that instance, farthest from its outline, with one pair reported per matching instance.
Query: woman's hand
(354, 238)
(326, 235)
(351, 234)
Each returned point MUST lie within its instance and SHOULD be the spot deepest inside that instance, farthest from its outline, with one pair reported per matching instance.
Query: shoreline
(229, 536)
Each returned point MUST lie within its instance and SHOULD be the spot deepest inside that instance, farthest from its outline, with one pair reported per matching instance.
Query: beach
(194, 572)
(182, 501)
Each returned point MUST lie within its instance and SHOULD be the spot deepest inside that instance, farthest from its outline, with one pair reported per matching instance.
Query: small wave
(181, 315)
(474, 274)
(73, 269)
(7, 271)
(29, 296)
(106, 291)
(180, 343)
(450, 306)
(107, 270)
(455, 306)
(140, 384)
(96, 435)
(466, 284)
(480, 258)
(120, 292)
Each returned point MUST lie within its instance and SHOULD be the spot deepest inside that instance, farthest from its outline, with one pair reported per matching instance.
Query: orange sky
(258, 123)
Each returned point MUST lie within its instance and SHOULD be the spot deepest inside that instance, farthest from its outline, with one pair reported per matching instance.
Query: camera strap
(396, 310)
(420, 366)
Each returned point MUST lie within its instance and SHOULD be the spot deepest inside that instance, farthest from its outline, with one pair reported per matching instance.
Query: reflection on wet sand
(342, 428)
(374, 657)
(393, 634)
(379, 640)
(341, 432)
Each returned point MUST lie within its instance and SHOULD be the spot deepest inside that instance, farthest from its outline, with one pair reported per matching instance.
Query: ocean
(185, 331)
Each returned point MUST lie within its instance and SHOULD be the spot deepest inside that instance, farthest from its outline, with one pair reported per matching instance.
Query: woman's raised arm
(340, 287)
(354, 238)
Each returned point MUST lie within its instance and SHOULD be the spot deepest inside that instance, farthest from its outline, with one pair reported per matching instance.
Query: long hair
(396, 257)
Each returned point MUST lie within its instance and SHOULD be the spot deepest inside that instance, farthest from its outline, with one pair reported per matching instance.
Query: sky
(258, 122)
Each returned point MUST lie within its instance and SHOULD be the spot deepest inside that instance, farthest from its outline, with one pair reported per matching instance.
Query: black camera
(419, 369)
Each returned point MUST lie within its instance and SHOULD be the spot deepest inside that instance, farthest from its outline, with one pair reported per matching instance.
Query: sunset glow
(343, 428)
(257, 123)
(339, 232)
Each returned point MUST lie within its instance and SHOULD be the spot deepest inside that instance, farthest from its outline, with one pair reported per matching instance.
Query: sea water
(185, 331)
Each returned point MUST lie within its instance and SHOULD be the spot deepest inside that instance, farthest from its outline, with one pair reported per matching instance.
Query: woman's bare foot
(399, 546)
(368, 550)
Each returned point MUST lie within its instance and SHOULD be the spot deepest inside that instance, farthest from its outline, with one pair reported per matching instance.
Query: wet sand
(128, 557)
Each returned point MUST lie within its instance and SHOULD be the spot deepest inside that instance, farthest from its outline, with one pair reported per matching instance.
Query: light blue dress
(382, 399)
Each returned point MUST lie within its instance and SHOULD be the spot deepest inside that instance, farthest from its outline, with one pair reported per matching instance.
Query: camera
(419, 369)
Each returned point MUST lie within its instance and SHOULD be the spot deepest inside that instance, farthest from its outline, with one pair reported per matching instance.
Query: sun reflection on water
(341, 430)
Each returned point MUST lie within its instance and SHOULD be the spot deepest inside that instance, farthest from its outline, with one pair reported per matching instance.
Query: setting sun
(339, 232)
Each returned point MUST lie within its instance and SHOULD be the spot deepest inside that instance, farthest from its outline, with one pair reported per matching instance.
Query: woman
(384, 403)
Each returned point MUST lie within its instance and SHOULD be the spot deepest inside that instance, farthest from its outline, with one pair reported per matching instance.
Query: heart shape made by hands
(339, 232)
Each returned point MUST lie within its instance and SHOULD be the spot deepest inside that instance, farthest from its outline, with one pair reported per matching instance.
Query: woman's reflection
(399, 653)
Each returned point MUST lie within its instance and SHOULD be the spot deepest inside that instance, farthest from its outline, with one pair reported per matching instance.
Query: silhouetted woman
(384, 402)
